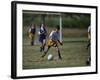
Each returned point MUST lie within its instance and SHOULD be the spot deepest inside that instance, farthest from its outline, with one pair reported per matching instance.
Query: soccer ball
(50, 57)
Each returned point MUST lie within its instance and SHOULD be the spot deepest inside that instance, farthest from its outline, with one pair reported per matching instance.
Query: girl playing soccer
(54, 41)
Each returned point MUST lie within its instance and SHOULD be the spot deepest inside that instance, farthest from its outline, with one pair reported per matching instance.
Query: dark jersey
(33, 30)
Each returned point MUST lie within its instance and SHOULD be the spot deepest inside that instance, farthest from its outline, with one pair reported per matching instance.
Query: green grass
(73, 53)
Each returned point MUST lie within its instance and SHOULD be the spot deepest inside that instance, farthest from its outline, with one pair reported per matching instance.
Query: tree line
(69, 20)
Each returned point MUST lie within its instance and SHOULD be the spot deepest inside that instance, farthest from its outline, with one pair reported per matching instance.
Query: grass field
(73, 51)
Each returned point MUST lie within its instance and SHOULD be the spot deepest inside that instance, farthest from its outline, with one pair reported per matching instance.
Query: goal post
(60, 23)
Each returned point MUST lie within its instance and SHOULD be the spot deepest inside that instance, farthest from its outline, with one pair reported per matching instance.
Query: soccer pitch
(73, 52)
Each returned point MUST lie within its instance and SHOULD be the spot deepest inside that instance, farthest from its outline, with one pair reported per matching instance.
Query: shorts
(31, 36)
(51, 43)
(41, 38)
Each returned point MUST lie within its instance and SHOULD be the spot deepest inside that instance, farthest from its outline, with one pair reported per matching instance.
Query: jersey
(42, 35)
(32, 30)
(42, 31)
(54, 35)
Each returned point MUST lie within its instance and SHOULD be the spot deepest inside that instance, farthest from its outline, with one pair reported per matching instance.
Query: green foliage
(51, 21)
(70, 20)
(76, 21)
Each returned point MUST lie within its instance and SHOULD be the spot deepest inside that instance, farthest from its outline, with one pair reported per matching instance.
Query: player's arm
(29, 30)
(42, 32)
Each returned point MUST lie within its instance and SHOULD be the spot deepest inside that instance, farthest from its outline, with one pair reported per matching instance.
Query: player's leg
(46, 51)
(32, 42)
(41, 48)
(88, 45)
(31, 39)
(44, 43)
(88, 62)
(89, 40)
(58, 50)
(41, 41)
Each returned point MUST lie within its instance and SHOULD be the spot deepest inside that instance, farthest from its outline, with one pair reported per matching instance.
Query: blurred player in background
(88, 45)
(42, 36)
(32, 31)
(54, 41)
(89, 37)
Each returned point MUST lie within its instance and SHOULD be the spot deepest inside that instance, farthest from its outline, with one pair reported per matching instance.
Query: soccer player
(32, 31)
(54, 41)
(88, 45)
(42, 36)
